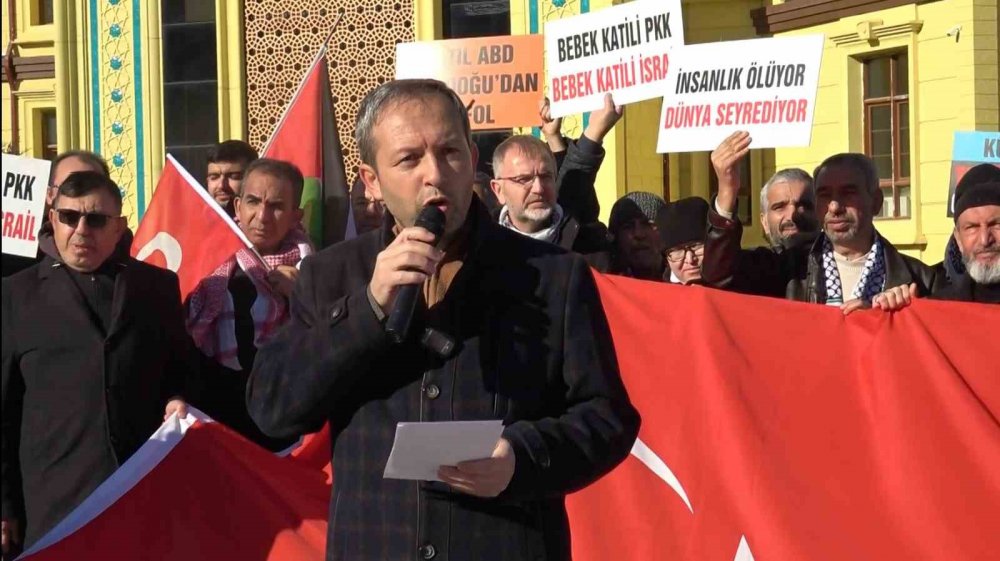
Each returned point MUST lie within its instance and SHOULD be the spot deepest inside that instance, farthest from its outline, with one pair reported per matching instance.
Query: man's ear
(475, 154)
(495, 187)
(369, 177)
(877, 201)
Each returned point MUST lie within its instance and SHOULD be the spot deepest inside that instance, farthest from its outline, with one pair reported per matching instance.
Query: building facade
(134, 79)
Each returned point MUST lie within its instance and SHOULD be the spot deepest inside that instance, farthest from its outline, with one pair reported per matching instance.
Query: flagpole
(336, 24)
(321, 53)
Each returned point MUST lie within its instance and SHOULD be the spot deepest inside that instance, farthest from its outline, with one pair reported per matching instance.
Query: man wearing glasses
(525, 184)
(682, 225)
(94, 354)
(62, 166)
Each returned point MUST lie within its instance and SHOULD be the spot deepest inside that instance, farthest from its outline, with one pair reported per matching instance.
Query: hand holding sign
(604, 119)
(726, 160)
(551, 128)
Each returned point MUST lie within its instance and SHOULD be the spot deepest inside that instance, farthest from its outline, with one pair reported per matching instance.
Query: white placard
(421, 448)
(764, 86)
(25, 181)
(622, 50)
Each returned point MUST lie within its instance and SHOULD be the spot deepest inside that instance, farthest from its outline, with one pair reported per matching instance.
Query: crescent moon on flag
(166, 244)
(655, 464)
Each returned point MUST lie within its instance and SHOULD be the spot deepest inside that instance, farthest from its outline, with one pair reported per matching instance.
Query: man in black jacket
(525, 184)
(63, 165)
(94, 354)
(977, 233)
(509, 328)
(848, 264)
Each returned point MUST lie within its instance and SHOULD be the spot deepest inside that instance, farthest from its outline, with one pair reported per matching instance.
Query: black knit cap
(683, 221)
(635, 205)
(982, 173)
(978, 194)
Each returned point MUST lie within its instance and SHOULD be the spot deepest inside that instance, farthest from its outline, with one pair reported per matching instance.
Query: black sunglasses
(93, 219)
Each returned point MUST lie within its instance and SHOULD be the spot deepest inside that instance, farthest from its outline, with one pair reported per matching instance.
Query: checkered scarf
(211, 317)
(872, 278)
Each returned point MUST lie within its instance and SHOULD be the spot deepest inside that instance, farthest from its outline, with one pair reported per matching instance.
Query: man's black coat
(532, 349)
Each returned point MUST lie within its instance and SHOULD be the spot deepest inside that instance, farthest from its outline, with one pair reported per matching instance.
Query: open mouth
(440, 202)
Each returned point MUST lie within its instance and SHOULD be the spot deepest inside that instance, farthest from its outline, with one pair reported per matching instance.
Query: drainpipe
(15, 128)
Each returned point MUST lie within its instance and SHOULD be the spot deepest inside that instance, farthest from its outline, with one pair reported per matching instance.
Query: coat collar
(50, 271)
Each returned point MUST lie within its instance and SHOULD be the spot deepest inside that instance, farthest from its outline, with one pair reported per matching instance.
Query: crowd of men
(98, 348)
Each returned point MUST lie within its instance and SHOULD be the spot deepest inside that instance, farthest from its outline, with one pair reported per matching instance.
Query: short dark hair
(279, 169)
(82, 183)
(395, 92)
(93, 161)
(854, 160)
(232, 151)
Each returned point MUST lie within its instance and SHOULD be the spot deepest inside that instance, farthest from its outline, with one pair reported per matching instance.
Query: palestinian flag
(307, 136)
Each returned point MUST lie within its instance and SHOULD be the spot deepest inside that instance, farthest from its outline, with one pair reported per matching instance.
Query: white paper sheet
(421, 448)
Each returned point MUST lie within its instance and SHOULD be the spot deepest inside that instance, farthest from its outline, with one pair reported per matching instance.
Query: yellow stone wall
(952, 85)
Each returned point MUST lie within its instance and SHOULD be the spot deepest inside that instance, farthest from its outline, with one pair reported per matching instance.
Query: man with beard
(977, 233)
(226, 166)
(847, 265)
(525, 184)
(636, 248)
(788, 207)
(505, 328)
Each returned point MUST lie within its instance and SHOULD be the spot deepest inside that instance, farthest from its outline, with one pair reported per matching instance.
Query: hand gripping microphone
(432, 219)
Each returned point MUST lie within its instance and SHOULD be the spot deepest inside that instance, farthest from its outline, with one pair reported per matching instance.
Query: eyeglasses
(93, 219)
(678, 254)
(529, 180)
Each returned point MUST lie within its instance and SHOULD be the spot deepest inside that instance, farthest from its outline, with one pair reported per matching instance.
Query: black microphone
(432, 219)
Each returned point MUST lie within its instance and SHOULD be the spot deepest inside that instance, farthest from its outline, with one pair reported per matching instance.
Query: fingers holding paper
(487, 477)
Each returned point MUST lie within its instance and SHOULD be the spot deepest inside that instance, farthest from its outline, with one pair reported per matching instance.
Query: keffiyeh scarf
(211, 317)
(871, 281)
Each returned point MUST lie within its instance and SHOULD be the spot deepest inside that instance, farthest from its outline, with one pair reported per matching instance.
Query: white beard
(984, 273)
(539, 216)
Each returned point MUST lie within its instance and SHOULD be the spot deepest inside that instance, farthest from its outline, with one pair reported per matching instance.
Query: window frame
(894, 101)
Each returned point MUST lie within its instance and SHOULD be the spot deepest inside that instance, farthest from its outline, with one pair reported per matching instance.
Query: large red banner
(771, 430)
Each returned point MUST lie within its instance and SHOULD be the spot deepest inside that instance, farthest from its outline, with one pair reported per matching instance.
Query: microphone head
(432, 219)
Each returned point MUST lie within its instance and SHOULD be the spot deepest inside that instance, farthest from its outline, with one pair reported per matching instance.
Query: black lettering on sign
(21, 184)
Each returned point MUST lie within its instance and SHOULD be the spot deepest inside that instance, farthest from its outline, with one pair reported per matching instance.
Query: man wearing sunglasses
(94, 355)
(62, 166)
(525, 184)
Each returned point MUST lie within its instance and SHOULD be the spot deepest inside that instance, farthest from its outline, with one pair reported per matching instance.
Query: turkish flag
(184, 230)
(783, 430)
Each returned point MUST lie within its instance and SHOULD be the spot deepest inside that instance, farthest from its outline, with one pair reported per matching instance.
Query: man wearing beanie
(636, 249)
(682, 225)
(952, 266)
(977, 234)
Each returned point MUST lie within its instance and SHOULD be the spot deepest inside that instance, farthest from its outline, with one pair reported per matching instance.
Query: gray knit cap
(637, 204)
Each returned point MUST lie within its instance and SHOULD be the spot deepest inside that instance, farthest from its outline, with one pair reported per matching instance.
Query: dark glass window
(887, 129)
(45, 13)
(190, 82)
(50, 144)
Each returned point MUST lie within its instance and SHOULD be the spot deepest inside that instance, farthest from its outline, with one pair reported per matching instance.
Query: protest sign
(621, 50)
(971, 149)
(764, 86)
(25, 181)
(498, 78)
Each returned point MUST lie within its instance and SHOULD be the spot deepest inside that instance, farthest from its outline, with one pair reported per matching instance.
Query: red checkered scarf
(211, 319)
